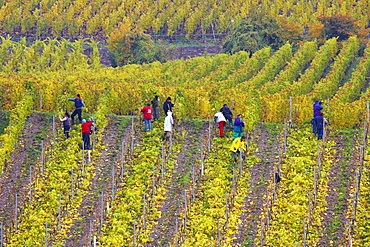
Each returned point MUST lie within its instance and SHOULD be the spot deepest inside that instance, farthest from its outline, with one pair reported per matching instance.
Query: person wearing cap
(148, 112)
(79, 103)
(221, 121)
(86, 130)
(239, 144)
(238, 126)
(317, 107)
(228, 114)
(167, 106)
(155, 105)
(321, 123)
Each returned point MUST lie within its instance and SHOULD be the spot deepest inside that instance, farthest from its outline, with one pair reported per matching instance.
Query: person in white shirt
(168, 124)
(221, 121)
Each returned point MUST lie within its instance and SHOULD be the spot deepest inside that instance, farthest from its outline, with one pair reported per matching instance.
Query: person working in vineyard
(228, 114)
(239, 144)
(321, 125)
(66, 124)
(79, 103)
(221, 121)
(86, 131)
(167, 106)
(238, 126)
(168, 125)
(155, 105)
(317, 107)
(147, 111)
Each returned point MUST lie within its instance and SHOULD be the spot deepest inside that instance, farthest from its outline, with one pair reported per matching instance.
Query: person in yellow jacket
(238, 143)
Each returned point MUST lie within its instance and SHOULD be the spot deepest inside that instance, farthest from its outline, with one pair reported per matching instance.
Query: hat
(83, 121)
(239, 114)
(169, 98)
(148, 104)
(243, 137)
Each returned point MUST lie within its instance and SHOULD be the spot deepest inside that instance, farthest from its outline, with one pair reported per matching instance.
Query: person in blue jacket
(317, 107)
(79, 103)
(238, 126)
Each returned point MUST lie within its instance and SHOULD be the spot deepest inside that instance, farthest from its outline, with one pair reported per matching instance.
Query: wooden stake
(285, 137)
(113, 174)
(16, 211)
(30, 183)
(42, 157)
(201, 162)
(46, 235)
(123, 159)
(59, 212)
(1, 235)
(290, 112)
(218, 233)
(162, 168)
(135, 233)
(101, 209)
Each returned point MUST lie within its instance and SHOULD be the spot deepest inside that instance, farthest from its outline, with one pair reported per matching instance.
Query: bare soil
(15, 179)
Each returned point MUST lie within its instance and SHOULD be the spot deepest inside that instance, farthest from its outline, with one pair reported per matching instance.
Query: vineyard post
(123, 160)
(113, 182)
(1, 235)
(365, 135)
(227, 211)
(90, 233)
(40, 99)
(94, 244)
(83, 157)
(170, 141)
(30, 183)
(318, 162)
(46, 235)
(209, 136)
(177, 231)
(285, 136)
(193, 185)
(16, 211)
(218, 233)
(59, 212)
(153, 183)
(101, 209)
(315, 185)
(234, 181)
(279, 161)
(275, 182)
(240, 161)
(349, 234)
(72, 187)
(304, 234)
(186, 208)
(201, 162)
(290, 112)
(53, 128)
(144, 211)
(367, 111)
(42, 157)
(262, 232)
(135, 234)
(358, 182)
(132, 133)
(162, 167)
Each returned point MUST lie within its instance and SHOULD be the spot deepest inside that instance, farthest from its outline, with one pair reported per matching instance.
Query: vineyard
(137, 190)
(98, 17)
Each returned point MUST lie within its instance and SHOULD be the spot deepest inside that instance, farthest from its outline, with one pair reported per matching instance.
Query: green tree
(254, 33)
(129, 44)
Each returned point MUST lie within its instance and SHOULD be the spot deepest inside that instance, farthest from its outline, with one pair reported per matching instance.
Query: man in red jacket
(148, 112)
(85, 128)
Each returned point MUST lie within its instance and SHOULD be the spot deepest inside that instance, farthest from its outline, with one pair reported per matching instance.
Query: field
(134, 189)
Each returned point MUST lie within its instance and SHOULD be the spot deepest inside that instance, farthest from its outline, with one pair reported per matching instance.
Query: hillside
(135, 189)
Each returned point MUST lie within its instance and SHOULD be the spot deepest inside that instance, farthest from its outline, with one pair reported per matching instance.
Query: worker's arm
(71, 99)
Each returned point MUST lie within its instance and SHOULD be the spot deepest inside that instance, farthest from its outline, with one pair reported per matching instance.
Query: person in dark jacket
(321, 123)
(66, 124)
(167, 105)
(79, 103)
(225, 110)
(155, 105)
(238, 127)
(317, 107)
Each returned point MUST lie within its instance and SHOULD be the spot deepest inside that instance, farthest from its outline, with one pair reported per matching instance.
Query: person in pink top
(148, 113)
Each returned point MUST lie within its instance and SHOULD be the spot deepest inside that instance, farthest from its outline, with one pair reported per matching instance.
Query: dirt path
(341, 174)
(267, 152)
(164, 231)
(88, 223)
(15, 179)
